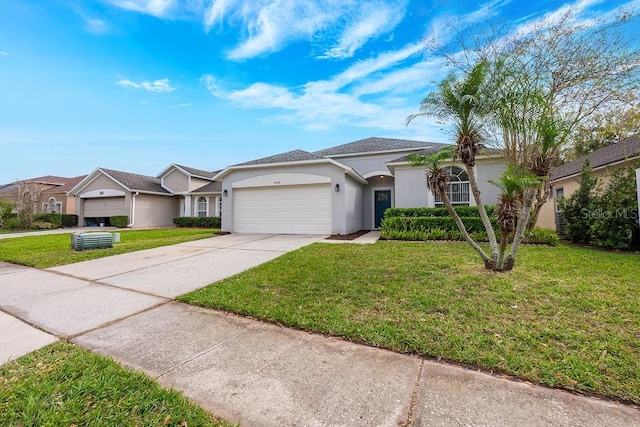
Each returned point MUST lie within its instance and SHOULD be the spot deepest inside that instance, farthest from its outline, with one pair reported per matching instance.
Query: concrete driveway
(174, 270)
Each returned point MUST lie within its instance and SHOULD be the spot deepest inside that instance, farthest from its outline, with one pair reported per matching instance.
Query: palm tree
(514, 182)
(437, 182)
(463, 102)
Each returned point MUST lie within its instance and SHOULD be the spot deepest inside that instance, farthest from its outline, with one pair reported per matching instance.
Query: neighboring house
(147, 201)
(49, 193)
(564, 180)
(339, 190)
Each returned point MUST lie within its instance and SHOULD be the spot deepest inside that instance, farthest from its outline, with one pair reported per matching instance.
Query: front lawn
(63, 385)
(51, 250)
(565, 317)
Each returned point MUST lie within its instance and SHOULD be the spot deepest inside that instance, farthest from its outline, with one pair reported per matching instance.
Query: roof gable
(135, 182)
(212, 187)
(626, 149)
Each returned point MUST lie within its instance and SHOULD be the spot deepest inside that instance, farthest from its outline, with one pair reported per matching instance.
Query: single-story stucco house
(147, 201)
(338, 190)
(48, 193)
(565, 179)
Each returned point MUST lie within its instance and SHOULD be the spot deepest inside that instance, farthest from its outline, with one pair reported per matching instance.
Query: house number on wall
(276, 182)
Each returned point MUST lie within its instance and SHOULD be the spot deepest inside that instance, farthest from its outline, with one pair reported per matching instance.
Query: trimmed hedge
(425, 223)
(120, 221)
(463, 211)
(69, 220)
(199, 222)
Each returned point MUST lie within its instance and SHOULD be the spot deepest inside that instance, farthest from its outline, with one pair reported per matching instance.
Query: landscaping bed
(565, 317)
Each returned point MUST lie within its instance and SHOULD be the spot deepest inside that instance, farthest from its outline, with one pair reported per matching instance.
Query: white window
(458, 188)
(559, 195)
(219, 206)
(201, 207)
(53, 206)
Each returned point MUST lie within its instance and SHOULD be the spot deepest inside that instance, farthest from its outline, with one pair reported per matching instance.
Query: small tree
(615, 220)
(28, 198)
(577, 208)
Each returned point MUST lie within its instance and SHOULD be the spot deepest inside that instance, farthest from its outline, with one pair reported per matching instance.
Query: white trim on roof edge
(573, 175)
(92, 177)
(363, 153)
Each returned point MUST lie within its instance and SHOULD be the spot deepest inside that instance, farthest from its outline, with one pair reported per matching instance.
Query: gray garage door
(104, 207)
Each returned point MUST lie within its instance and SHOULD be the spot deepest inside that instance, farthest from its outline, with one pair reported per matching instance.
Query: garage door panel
(290, 209)
(104, 207)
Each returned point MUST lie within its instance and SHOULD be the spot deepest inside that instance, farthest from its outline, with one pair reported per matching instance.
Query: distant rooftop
(198, 172)
(625, 149)
(373, 145)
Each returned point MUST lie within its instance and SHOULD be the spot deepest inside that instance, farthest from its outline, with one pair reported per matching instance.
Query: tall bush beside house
(615, 219)
(6, 212)
(69, 220)
(120, 221)
(605, 217)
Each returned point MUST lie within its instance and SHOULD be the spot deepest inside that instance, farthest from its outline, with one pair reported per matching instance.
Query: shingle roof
(59, 184)
(198, 172)
(372, 145)
(212, 187)
(628, 148)
(136, 182)
(289, 156)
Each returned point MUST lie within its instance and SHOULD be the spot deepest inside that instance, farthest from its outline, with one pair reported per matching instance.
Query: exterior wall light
(337, 188)
(225, 193)
(381, 176)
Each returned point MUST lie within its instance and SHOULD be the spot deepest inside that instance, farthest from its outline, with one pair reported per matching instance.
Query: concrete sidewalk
(258, 373)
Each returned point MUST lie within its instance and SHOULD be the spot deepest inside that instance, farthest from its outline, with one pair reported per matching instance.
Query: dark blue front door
(382, 201)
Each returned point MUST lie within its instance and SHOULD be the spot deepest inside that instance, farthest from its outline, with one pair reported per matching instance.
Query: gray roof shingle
(435, 147)
(625, 149)
(136, 182)
(289, 156)
(198, 172)
(212, 187)
(372, 145)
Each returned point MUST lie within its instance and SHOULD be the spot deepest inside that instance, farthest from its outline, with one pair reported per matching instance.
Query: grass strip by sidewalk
(51, 250)
(565, 317)
(64, 385)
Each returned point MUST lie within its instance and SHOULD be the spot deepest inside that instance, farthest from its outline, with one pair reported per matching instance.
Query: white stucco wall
(375, 183)
(412, 192)
(353, 206)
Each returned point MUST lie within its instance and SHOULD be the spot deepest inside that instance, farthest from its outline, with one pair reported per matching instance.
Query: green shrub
(120, 221)
(429, 223)
(541, 236)
(11, 223)
(200, 222)
(463, 211)
(69, 220)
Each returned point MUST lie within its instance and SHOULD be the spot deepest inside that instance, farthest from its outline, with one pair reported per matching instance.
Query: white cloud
(372, 20)
(159, 86)
(157, 8)
(4, 53)
(96, 26)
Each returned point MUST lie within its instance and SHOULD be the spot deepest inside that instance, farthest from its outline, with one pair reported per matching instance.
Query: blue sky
(136, 85)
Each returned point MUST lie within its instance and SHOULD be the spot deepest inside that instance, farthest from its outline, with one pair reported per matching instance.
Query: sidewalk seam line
(414, 396)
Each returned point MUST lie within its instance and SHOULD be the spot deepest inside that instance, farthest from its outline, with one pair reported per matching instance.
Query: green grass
(55, 249)
(63, 385)
(566, 317)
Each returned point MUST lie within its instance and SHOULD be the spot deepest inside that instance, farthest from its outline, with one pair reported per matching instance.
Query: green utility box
(84, 241)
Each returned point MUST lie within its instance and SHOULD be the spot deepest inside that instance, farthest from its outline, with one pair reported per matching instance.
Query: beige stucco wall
(198, 183)
(176, 181)
(154, 211)
(101, 183)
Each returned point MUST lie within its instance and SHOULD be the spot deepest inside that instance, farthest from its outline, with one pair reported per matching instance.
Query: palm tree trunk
(520, 229)
(489, 263)
(542, 198)
(473, 182)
